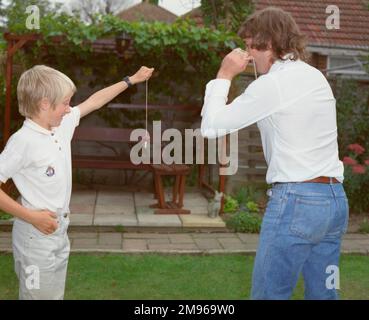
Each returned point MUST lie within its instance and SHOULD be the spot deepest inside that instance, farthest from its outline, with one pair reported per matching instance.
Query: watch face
(126, 80)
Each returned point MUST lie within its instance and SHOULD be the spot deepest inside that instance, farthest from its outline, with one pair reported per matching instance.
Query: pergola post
(14, 43)
(8, 90)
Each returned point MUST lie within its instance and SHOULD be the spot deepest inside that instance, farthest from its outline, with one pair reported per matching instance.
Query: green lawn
(112, 276)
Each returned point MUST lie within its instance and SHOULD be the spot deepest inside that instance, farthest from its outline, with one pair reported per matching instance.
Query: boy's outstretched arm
(102, 97)
(43, 220)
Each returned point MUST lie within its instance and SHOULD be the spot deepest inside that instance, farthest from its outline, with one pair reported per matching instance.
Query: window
(347, 65)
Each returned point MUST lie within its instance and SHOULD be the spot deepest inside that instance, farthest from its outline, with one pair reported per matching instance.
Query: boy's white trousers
(41, 260)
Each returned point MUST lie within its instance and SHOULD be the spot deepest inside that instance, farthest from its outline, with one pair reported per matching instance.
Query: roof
(196, 15)
(147, 12)
(311, 16)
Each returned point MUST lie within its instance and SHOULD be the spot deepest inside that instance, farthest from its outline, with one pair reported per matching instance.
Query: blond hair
(42, 82)
(277, 27)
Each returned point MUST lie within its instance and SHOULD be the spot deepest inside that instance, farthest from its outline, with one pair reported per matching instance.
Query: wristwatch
(126, 80)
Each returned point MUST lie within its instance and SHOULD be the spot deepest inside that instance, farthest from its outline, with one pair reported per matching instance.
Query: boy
(38, 159)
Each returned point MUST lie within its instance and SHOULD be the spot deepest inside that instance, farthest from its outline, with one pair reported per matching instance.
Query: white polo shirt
(39, 162)
(295, 110)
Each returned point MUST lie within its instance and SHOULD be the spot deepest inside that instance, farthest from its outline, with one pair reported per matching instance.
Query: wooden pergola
(119, 45)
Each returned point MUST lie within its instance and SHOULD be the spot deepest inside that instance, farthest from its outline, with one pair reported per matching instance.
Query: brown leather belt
(322, 180)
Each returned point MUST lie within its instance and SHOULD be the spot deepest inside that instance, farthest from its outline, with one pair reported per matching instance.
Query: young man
(294, 108)
(38, 159)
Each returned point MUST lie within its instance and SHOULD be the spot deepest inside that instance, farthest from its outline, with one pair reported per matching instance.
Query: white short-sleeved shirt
(295, 110)
(39, 162)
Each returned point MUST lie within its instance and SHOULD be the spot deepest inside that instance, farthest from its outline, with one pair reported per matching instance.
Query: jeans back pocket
(311, 218)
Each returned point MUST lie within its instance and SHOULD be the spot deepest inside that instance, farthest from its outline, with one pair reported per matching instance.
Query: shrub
(243, 209)
(356, 181)
(245, 222)
(230, 204)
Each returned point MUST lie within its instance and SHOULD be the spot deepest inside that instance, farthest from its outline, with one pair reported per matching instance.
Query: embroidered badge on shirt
(50, 171)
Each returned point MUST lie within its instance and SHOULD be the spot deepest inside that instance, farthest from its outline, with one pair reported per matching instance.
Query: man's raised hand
(233, 64)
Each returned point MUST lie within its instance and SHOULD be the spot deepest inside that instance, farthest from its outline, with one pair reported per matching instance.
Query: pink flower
(367, 162)
(360, 169)
(357, 148)
(349, 161)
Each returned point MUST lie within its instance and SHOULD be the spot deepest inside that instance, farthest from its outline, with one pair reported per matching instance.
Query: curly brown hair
(276, 27)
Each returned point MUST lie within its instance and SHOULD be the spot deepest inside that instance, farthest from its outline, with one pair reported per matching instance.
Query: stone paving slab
(144, 199)
(198, 210)
(190, 220)
(228, 243)
(173, 246)
(81, 219)
(249, 238)
(194, 196)
(114, 209)
(109, 247)
(118, 198)
(181, 238)
(82, 208)
(158, 241)
(84, 197)
(116, 220)
(134, 244)
(216, 235)
(134, 235)
(158, 220)
(208, 244)
(84, 243)
(82, 235)
(144, 210)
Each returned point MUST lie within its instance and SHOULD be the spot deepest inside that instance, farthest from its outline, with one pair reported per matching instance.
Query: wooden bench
(104, 136)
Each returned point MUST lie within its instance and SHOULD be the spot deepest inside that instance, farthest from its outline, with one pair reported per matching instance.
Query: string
(146, 136)
(255, 73)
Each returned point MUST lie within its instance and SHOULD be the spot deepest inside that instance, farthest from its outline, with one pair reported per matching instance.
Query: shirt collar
(280, 62)
(36, 127)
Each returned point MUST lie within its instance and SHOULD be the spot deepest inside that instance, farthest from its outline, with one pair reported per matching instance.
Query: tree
(229, 14)
(14, 14)
(88, 10)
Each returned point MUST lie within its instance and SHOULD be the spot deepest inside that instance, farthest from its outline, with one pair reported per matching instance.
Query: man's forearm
(224, 75)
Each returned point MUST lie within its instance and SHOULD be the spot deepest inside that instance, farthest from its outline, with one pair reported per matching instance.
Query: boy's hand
(141, 75)
(233, 64)
(45, 221)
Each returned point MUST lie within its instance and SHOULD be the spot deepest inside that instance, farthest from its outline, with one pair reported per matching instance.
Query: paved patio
(132, 209)
(109, 208)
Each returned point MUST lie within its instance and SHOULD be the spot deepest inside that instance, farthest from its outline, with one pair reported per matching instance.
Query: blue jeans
(301, 231)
